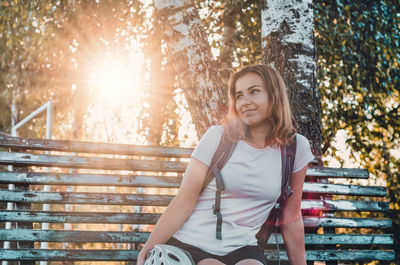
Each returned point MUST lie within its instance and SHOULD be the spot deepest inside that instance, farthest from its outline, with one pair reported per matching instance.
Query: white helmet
(168, 255)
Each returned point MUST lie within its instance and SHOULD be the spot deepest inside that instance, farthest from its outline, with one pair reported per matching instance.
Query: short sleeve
(303, 153)
(208, 144)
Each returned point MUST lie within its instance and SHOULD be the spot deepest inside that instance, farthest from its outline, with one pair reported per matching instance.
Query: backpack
(221, 156)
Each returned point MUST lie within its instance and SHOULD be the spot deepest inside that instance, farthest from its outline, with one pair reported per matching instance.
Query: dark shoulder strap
(221, 156)
(288, 156)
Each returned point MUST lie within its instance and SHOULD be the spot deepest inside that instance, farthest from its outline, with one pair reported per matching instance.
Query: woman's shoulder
(300, 137)
(212, 135)
(302, 141)
(216, 130)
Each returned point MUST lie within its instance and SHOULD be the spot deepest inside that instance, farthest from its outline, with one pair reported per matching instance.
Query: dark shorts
(246, 252)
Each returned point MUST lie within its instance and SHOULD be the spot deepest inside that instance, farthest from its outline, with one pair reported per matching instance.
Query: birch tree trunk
(288, 46)
(191, 56)
(226, 56)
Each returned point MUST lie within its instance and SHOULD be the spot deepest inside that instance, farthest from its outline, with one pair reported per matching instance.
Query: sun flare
(118, 80)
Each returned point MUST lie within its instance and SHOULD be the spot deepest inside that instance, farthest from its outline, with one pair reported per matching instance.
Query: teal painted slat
(131, 180)
(342, 189)
(348, 173)
(128, 237)
(151, 218)
(44, 178)
(80, 217)
(68, 255)
(338, 255)
(341, 239)
(85, 198)
(93, 147)
(343, 205)
(72, 236)
(164, 200)
(125, 255)
(26, 159)
(347, 222)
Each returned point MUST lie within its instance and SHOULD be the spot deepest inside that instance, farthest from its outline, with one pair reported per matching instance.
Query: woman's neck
(258, 136)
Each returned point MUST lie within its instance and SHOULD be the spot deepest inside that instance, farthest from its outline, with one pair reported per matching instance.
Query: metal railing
(14, 132)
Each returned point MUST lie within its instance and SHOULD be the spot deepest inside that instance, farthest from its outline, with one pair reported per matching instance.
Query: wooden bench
(118, 191)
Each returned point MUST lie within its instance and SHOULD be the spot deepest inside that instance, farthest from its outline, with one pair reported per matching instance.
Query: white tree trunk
(288, 45)
(191, 56)
(228, 45)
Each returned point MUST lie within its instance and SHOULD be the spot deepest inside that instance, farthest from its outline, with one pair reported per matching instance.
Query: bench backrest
(101, 201)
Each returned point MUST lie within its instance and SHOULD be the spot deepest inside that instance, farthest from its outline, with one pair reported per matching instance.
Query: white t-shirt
(252, 179)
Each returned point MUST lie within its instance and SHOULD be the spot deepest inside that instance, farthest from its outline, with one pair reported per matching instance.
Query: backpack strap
(288, 154)
(221, 156)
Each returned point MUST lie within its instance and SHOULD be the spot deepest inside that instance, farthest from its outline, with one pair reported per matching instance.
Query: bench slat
(93, 147)
(151, 218)
(121, 255)
(44, 178)
(342, 189)
(341, 239)
(80, 217)
(26, 159)
(164, 200)
(93, 198)
(326, 172)
(344, 205)
(339, 255)
(347, 222)
(129, 237)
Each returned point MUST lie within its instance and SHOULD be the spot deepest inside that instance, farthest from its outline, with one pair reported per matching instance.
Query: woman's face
(252, 102)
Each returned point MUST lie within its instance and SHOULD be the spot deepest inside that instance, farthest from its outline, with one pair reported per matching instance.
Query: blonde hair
(283, 124)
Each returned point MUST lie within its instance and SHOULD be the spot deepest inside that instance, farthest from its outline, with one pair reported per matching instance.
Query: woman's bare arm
(179, 209)
(292, 226)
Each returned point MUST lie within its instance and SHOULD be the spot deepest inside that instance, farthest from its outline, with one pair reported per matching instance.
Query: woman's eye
(254, 91)
(239, 96)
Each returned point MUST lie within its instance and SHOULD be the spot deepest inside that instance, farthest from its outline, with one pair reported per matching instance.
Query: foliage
(358, 47)
(247, 44)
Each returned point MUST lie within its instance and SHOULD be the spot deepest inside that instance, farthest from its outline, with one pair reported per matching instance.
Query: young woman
(260, 121)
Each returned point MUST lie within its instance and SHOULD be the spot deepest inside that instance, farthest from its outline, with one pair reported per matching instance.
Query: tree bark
(226, 57)
(191, 56)
(288, 46)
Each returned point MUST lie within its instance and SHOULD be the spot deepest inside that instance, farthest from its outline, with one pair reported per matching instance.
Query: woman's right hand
(178, 210)
(142, 256)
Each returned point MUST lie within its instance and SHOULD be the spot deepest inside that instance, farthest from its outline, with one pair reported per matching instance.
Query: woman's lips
(248, 111)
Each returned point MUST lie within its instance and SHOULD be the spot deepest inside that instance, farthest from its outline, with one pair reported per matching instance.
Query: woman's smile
(249, 111)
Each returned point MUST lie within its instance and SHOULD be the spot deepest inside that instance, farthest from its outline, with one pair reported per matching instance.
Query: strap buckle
(215, 210)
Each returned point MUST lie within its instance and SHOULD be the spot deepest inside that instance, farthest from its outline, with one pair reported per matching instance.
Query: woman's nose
(246, 100)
